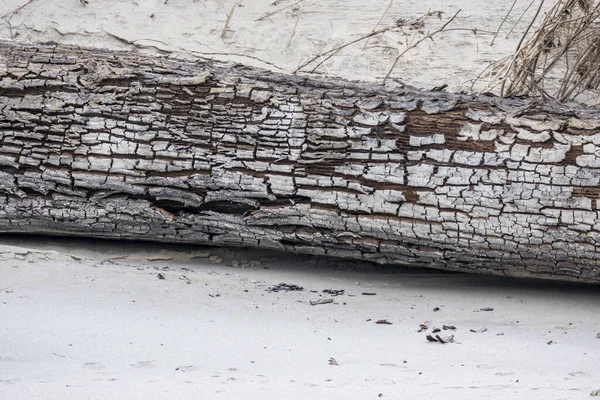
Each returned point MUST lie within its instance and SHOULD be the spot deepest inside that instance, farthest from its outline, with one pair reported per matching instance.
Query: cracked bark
(119, 145)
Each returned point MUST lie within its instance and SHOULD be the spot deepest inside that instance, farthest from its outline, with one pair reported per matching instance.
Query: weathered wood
(119, 145)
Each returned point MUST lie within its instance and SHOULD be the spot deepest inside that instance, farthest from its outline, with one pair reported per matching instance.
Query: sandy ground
(259, 33)
(96, 320)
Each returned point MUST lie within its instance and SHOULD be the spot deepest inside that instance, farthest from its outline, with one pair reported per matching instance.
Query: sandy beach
(94, 320)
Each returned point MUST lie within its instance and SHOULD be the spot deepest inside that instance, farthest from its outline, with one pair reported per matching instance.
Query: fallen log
(120, 145)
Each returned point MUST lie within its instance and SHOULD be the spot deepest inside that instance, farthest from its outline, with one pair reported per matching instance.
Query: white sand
(193, 28)
(103, 325)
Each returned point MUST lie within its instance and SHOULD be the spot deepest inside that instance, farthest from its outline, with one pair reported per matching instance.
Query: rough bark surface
(118, 145)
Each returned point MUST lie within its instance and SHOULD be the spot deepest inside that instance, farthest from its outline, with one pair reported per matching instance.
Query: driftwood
(120, 145)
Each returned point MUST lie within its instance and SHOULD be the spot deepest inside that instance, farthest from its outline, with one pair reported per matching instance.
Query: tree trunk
(119, 145)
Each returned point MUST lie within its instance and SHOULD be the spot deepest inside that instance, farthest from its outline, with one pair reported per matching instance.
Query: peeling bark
(119, 145)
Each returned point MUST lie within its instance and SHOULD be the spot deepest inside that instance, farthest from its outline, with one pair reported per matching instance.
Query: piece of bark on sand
(120, 145)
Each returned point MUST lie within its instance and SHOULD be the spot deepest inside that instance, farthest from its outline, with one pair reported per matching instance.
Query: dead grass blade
(267, 15)
(229, 16)
(330, 53)
(503, 21)
(412, 28)
(561, 59)
(379, 22)
(296, 23)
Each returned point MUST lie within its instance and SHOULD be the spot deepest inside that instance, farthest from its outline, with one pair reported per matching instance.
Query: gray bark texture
(119, 145)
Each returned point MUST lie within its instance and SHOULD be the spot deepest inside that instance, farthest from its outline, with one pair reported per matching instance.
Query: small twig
(326, 67)
(11, 14)
(331, 54)
(580, 60)
(520, 43)
(228, 20)
(577, 84)
(209, 55)
(380, 19)
(412, 46)
(12, 36)
(267, 15)
(474, 81)
(530, 25)
(296, 24)
(474, 30)
(335, 50)
(503, 21)
(18, 9)
(563, 52)
(520, 18)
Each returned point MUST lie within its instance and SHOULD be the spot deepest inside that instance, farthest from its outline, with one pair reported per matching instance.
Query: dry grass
(379, 22)
(229, 16)
(267, 15)
(561, 59)
(296, 23)
(429, 36)
(14, 31)
(411, 30)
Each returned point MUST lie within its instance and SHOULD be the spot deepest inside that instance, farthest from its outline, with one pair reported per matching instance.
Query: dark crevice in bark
(224, 207)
